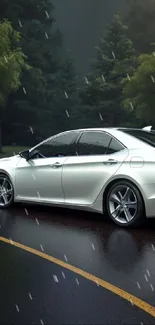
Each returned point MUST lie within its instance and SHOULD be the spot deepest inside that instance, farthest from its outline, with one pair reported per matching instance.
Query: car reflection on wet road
(36, 291)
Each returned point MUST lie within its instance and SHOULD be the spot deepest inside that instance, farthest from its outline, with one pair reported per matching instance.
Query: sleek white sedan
(110, 171)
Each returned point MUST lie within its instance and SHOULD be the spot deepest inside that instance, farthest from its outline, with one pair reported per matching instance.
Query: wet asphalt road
(36, 291)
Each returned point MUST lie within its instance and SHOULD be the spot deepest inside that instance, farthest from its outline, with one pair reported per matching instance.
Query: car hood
(9, 159)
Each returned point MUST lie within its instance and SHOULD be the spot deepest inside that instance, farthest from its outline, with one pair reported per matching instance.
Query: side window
(61, 145)
(93, 143)
(114, 146)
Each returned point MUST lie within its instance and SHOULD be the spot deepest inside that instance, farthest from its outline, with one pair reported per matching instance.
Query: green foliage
(34, 93)
(140, 18)
(51, 74)
(140, 90)
(12, 61)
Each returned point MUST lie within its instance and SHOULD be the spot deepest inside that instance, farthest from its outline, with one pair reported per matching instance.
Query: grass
(8, 151)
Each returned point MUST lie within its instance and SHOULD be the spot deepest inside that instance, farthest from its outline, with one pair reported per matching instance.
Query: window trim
(98, 131)
(58, 135)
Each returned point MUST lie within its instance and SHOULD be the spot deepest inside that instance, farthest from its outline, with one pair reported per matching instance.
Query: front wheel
(6, 192)
(124, 204)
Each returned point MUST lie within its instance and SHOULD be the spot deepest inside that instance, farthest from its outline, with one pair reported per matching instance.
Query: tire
(124, 204)
(6, 192)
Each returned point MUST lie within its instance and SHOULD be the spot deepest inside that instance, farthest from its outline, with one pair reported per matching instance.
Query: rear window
(147, 137)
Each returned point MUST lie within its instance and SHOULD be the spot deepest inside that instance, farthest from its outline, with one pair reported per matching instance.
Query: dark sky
(82, 23)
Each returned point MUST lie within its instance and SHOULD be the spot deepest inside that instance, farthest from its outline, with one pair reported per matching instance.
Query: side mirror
(33, 153)
(24, 154)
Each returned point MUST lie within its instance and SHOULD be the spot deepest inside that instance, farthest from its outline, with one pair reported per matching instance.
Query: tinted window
(114, 146)
(93, 143)
(59, 146)
(147, 137)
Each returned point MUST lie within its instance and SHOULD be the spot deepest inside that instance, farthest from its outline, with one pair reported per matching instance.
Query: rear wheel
(124, 204)
(6, 192)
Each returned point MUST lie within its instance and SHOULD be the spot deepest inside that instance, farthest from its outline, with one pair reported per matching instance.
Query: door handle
(56, 165)
(110, 162)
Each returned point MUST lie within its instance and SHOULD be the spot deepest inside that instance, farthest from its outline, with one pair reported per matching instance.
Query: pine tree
(38, 102)
(114, 61)
(12, 63)
(140, 90)
(140, 18)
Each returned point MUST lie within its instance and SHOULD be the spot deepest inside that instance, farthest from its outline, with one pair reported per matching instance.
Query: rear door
(98, 157)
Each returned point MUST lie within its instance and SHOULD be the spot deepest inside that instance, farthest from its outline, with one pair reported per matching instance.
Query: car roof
(117, 132)
(107, 129)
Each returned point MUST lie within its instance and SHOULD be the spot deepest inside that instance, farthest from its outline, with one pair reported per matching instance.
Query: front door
(40, 179)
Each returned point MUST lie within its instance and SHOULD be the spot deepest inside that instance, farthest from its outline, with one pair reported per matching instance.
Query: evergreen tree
(12, 63)
(114, 61)
(140, 90)
(38, 102)
(140, 18)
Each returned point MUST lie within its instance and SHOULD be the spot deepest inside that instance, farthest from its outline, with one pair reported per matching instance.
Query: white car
(106, 170)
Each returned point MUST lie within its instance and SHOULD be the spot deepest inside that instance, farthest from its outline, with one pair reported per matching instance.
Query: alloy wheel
(6, 191)
(123, 204)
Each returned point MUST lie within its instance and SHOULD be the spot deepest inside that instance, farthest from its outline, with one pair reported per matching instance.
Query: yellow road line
(106, 285)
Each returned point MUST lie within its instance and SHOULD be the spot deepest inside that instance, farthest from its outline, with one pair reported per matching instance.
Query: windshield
(147, 137)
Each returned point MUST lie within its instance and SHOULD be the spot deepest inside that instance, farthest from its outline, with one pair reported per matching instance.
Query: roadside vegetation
(41, 93)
